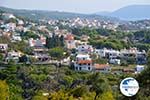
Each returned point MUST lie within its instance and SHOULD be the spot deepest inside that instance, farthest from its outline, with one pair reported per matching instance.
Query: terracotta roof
(100, 66)
(69, 37)
(84, 61)
(128, 70)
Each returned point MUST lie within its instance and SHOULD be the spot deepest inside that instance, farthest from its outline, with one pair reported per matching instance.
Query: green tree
(39, 96)
(56, 53)
(1, 57)
(79, 91)
(60, 95)
(107, 96)
(144, 80)
(99, 84)
(100, 60)
(1, 14)
(30, 34)
(55, 41)
(13, 20)
(23, 59)
(4, 90)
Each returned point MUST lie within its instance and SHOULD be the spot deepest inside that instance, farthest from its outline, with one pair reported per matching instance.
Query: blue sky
(78, 6)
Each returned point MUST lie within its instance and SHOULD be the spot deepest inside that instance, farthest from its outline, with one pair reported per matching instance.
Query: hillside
(40, 14)
(133, 12)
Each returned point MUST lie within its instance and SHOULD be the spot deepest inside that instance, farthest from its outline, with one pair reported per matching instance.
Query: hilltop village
(42, 59)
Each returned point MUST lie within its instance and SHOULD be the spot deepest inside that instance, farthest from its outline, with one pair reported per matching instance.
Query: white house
(141, 58)
(38, 42)
(41, 54)
(13, 55)
(85, 49)
(9, 16)
(83, 57)
(139, 68)
(70, 42)
(115, 61)
(108, 53)
(3, 47)
(20, 22)
(83, 63)
(16, 37)
(125, 53)
(10, 26)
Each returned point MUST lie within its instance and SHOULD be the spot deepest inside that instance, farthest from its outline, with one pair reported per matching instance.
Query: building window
(76, 68)
(89, 68)
(79, 68)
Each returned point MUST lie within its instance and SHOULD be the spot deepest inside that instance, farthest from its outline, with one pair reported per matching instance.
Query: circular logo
(129, 87)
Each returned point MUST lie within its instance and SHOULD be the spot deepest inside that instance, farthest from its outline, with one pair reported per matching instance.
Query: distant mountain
(133, 12)
(103, 13)
(40, 14)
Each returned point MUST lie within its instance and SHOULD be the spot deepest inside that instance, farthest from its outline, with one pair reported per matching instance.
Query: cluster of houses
(83, 60)
(80, 22)
(115, 56)
(11, 55)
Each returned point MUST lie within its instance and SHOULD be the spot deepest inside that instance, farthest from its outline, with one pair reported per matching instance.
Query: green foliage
(15, 92)
(57, 52)
(142, 46)
(19, 46)
(23, 59)
(124, 63)
(28, 50)
(131, 60)
(79, 91)
(144, 80)
(55, 41)
(100, 60)
(60, 95)
(90, 31)
(148, 57)
(12, 20)
(4, 39)
(39, 96)
(1, 14)
(11, 62)
(68, 81)
(106, 96)
(30, 34)
(99, 84)
(4, 92)
(38, 78)
(108, 43)
(1, 57)
(33, 60)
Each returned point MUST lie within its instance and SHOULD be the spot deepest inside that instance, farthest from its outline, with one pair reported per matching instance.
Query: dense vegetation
(55, 41)
(61, 83)
(57, 82)
(100, 38)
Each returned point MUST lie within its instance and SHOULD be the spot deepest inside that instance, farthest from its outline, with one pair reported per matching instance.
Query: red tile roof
(101, 66)
(84, 61)
(69, 37)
